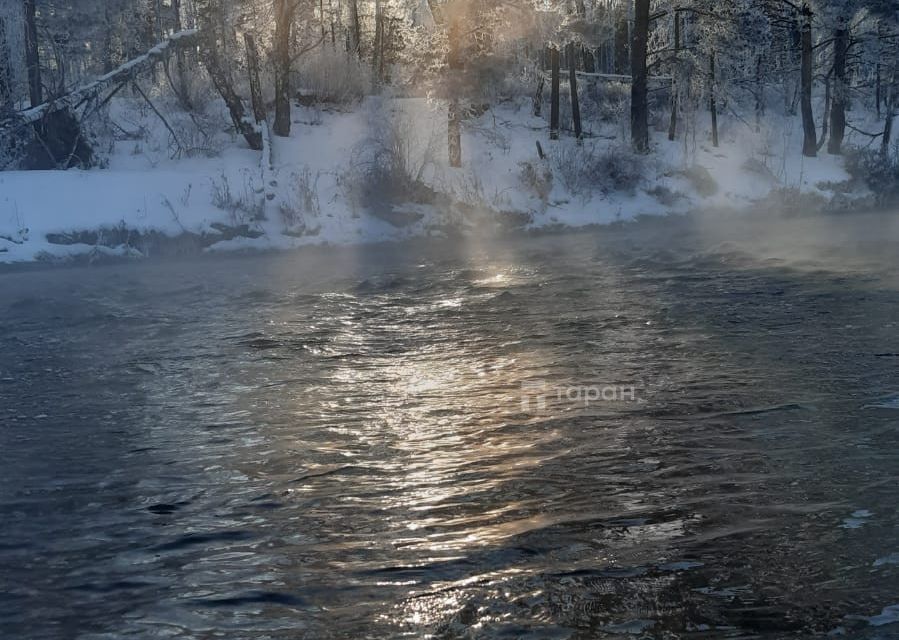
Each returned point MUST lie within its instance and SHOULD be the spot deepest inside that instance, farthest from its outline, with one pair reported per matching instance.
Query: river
(672, 429)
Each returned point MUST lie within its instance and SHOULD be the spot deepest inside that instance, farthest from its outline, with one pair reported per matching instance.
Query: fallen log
(122, 75)
(608, 77)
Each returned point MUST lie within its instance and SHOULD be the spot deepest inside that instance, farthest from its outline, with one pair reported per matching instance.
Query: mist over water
(336, 443)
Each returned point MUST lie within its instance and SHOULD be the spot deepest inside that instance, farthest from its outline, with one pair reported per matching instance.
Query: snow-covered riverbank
(379, 172)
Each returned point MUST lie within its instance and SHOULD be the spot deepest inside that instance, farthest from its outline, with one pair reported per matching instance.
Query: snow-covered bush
(198, 135)
(194, 89)
(333, 76)
(586, 169)
(701, 180)
(665, 195)
(13, 149)
(792, 201)
(499, 84)
(389, 166)
(165, 130)
(606, 101)
(879, 172)
(536, 178)
(243, 206)
(200, 129)
(468, 188)
(301, 201)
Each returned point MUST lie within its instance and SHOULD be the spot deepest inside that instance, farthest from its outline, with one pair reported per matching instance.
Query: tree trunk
(587, 58)
(713, 100)
(887, 134)
(877, 89)
(581, 8)
(32, 55)
(150, 37)
(357, 27)
(575, 102)
(222, 83)
(377, 50)
(335, 20)
(220, 77)
(255, 85)
(810, 133)
(454, 134)
(759, 93)
(891, 114)
(639, 73)
(826, 119)
(283, 24)
(387, 33)
(177, 24)
(6, 76)
(840, 91)
(554, 94)
(180, 60)
(621, 45)
(454, 111)
(108, 31)
(672, 124)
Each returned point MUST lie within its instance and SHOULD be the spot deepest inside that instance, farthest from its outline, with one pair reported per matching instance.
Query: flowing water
(666, 430)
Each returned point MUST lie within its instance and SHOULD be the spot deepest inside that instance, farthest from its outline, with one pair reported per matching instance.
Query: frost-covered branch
(123, 74)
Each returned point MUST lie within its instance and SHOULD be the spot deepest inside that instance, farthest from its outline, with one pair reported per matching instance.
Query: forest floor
(378, 172)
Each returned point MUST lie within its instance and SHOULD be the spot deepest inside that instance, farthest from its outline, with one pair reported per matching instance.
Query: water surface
(334, 443)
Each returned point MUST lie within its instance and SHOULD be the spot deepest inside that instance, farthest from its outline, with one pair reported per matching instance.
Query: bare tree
(284, 14)
(456, 17)
(6, 71)
(672, 125)
(554, 93)
(575, 101)
(840, 89)
(32, 55)
(210, 28)
(639, 75)
(713, 98)
(810, 134)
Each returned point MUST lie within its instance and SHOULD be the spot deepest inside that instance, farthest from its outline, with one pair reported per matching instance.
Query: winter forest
(449, 319)
(387, 118)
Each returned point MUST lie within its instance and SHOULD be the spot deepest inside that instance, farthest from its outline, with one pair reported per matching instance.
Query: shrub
(759, 168)
(537, 178)
(791, 201)
(199, 131)
(612, 100)
(879, 172)
(468, 188)
(389, 166)
(665, 195)
(243, 206)
(302, 201)
(585, 169)
(334, 76)
(701, 180)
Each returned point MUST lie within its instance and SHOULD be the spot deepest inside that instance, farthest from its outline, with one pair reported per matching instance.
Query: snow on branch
(610, 77)
(125, 73)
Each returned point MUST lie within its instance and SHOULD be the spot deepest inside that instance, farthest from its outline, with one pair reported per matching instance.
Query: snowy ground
(325, 167)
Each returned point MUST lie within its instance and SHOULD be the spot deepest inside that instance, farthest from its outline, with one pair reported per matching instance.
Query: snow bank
(311, 182)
